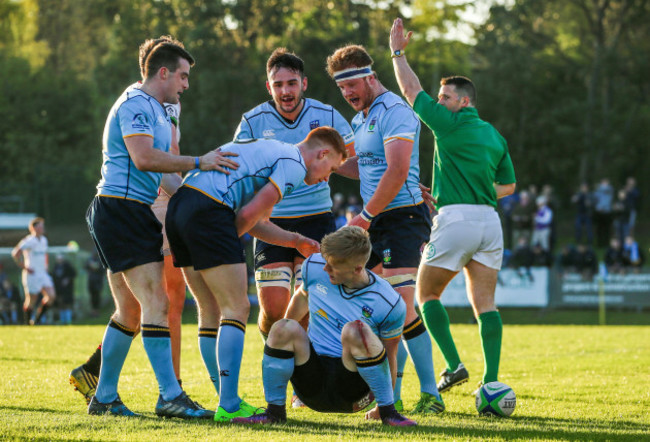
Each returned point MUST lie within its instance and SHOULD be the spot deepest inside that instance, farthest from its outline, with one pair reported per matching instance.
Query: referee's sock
(230, 348)
(437, 322)
(115, 347)
(158, 346)
(277, 368)
(402, 356)
(208, 349)
(418, 343)
(491, 330)
(376, 372)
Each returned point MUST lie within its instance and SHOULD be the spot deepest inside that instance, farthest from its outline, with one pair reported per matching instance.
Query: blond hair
(349, 243)
(33, 222)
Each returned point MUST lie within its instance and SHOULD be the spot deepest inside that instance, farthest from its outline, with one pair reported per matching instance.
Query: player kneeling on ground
(355, 323)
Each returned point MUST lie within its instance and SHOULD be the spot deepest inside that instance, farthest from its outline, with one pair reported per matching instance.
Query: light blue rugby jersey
(331, 307)
(260, 162)
(264, 121)
(134, 113)
(389, 118)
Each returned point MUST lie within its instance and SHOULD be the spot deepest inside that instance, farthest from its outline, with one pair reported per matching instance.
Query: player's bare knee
(284, 331)
(355, 333)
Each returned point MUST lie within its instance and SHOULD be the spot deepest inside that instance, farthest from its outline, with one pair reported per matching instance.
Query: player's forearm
(504, 189)
(408, 82)
(349, 169)
(154, 160)
(271, 233)
(298, 306)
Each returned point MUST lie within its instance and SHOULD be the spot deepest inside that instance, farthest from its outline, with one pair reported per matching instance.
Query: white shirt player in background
(31, 255)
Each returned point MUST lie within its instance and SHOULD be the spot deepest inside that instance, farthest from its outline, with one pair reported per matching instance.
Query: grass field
(573, 382)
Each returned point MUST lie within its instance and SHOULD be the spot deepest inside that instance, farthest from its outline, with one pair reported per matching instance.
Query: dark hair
(282, 58)
(34, 222)
(159, 52)
(347, 57)
(464, 87)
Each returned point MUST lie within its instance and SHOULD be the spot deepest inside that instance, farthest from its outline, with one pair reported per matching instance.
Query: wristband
(366, 216)
(197, 163)
(398, 53)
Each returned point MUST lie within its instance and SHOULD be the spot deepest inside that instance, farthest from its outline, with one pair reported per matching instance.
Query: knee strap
(278, 277)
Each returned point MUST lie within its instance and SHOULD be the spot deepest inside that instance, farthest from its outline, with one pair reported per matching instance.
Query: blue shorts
(337, 390)
(398, 237)
(313, 226)
(201, 231)
(126, 233)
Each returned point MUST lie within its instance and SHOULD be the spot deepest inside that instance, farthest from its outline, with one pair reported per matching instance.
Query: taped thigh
(277, 277)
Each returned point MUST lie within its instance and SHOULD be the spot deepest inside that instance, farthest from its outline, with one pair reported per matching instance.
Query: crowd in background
(604, 220)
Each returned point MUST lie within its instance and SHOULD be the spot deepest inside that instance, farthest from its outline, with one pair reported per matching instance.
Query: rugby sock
(418, 343)
(376, 372)
(158, 346)
(115, 347)
(437, 322)
(277, 368)
(208, 348)
(230, 348)
(402, 356)
(491, 330)
(40, 312)
(94, 362)
(27, 315)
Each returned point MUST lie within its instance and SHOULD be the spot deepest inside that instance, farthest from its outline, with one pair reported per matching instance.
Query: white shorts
(465, 232)
(34, 283)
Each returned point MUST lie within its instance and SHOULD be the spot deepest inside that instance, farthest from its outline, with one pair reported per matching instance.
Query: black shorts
(324, 384)
(126, 233)
(312, 226)
(201, 231)
(398, 236)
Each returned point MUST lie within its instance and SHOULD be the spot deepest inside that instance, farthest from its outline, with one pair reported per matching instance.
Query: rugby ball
(495, 399)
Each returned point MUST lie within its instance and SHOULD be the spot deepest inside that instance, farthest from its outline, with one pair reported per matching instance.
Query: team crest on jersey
(367, 311)
(268, 133)
(430, 251)
(371, 126)
(139, 122)
(387, 256)
(314, 124)
(288, 188)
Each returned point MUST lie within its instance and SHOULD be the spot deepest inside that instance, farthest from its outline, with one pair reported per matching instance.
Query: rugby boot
(450, 379)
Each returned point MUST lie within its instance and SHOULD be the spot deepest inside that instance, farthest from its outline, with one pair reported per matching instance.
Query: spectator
(541, 256)
(10, 301)
(522, 258)
(522, 217)
(506, 205)
(620, 216)
(632, 199)
(339, 217)
(603, 199)
(586, 262)
(64, 275)
(96, 275)
(614, 261)
(351, 212)
(543, 222)
(553, 203)
(568, 259)
(632, 255)
(584, 203)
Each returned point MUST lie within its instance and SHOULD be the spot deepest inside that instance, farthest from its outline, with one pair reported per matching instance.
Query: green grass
(573, 382)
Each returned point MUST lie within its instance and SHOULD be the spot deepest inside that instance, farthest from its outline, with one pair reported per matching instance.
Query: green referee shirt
(470, 154)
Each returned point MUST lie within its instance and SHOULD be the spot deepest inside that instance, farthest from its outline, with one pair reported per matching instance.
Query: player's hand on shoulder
(307, 246)
(358, 221)
(219, 161)
(373, 414)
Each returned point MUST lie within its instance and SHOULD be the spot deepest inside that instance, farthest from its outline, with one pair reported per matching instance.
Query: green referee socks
(491, 329)
(437, 322)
